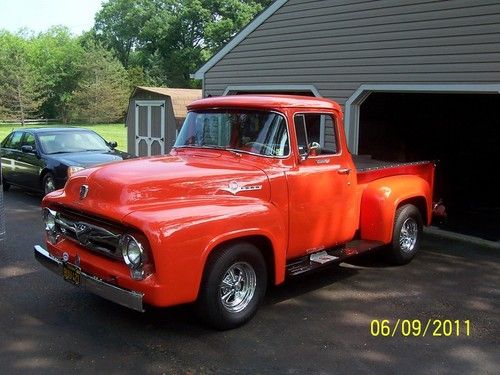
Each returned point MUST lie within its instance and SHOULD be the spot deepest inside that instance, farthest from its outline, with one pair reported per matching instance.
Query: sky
(39, 15)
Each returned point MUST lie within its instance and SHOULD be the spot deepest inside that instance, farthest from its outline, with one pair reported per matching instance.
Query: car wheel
(5, 185)
(407, 234)
(233, 287)
(48, 183)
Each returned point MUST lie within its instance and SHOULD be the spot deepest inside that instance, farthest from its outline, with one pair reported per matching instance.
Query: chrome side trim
(132, 300)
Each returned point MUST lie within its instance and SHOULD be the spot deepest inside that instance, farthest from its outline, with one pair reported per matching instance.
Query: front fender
(381, 199)
(183, 234)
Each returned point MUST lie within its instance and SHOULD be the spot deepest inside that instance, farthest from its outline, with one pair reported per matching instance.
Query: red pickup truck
(256, 189)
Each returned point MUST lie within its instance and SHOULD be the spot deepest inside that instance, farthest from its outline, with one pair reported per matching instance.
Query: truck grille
(89, 235)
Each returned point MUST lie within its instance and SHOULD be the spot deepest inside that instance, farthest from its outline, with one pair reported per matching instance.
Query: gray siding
(337, 45)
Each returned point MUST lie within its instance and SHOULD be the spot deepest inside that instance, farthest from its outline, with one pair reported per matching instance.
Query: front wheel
(48, 183)
(233, 286)
(407, 233)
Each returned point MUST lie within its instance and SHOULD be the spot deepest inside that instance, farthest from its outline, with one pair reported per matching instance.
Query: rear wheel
(407, 233)
(48, 183)
(5, 186)
(233, 287)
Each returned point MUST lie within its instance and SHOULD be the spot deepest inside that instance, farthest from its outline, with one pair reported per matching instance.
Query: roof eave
(238, 38)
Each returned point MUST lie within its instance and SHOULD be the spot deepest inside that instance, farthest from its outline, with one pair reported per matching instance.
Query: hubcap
(238, 287)
(409, 234)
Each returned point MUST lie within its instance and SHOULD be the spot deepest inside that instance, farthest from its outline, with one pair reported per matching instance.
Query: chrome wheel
(408, 235)
(233, 286)
(237, 287)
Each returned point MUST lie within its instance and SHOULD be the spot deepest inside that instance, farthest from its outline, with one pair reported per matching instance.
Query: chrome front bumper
(124, 297)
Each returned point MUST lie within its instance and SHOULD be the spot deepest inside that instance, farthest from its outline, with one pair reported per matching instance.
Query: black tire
(244, 260)
(5, 186)
(48, 183)
(407, 234)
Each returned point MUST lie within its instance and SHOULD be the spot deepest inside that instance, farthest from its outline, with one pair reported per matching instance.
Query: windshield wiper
(231, 150)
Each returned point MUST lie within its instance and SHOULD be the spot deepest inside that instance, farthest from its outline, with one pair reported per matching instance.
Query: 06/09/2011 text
(420, 328)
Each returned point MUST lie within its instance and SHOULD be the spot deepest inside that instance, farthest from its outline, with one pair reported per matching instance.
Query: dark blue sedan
(41, 159)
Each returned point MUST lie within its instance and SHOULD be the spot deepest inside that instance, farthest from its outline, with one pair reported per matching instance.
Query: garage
(460, 131)
(417, 79)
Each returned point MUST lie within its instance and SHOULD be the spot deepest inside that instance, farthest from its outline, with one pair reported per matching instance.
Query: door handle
(344, 171)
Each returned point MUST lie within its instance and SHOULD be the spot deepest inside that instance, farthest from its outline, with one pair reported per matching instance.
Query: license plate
(71, 273)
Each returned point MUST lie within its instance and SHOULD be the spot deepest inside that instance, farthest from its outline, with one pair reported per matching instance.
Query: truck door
(321, 187)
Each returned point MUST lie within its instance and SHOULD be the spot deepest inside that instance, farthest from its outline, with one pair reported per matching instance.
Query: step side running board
(331, 256)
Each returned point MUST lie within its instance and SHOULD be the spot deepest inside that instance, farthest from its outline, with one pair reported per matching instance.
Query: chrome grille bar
(90, 236)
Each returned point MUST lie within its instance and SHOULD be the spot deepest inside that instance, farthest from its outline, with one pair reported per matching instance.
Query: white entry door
(149, 127)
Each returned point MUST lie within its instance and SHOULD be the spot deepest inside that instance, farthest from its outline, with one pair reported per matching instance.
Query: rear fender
(382, 197)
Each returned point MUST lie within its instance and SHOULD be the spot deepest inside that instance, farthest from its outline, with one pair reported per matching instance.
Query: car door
(11, 150)
(321, 187)
(29, 164)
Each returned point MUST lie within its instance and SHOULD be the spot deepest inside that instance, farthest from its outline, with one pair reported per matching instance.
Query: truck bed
(369, 169)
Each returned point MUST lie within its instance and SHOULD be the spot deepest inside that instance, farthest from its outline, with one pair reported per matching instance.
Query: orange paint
(192, 201)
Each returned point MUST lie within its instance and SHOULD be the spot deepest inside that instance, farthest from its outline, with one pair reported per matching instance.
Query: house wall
(338, 45)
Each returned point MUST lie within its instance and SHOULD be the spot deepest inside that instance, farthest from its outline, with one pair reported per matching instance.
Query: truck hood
(116, 189)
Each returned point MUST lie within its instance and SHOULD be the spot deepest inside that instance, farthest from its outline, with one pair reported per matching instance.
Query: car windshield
(257, 132)
(71, 141)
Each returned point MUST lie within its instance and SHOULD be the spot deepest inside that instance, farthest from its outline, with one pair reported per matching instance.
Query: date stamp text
(420, 328)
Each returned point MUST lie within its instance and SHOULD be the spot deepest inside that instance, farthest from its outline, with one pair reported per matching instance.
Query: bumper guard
(124, 297)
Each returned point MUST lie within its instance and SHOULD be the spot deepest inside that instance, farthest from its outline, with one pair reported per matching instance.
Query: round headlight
(132, 251)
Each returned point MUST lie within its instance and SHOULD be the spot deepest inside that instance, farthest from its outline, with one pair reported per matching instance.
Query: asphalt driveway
(314, 324)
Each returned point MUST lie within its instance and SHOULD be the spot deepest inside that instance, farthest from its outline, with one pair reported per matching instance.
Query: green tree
(56, 55)
(21, 90)
(102, 92)
(137, 77)
(118, 25)
(227, 18)
(171, 38)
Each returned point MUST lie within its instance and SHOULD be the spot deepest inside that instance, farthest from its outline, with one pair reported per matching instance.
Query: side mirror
(113, 144)
(314, 149)
(27, 149)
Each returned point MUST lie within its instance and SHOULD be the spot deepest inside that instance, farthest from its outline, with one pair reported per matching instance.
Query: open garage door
(462, 131)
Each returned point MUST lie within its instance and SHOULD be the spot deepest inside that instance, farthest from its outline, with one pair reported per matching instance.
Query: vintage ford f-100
(257, 188)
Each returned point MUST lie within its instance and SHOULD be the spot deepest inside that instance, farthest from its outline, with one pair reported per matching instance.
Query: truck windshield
(256, 132)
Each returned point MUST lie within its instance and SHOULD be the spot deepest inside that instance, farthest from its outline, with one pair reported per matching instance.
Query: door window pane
(14, 141)
(320, 128)
(29, 140)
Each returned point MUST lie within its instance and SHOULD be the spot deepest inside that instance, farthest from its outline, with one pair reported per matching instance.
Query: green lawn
(110, 132)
